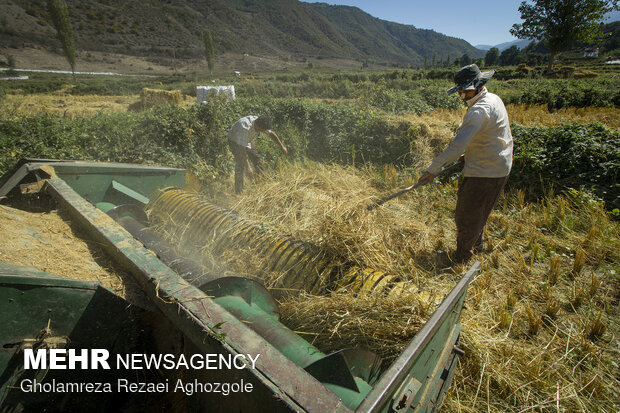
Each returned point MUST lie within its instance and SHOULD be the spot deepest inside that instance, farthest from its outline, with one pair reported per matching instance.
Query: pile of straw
(541, 324)
(47, 241)
(328, 206)
(382, 324)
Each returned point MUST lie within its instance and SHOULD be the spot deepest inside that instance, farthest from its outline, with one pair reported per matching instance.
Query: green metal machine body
(222, 316)
(42, 310)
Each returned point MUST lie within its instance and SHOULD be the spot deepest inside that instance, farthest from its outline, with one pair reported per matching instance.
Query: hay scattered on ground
(16, 105)
(541, 324)
(542, 321)
(539, 115)
(341, 320)
(437, 127)
(47, 242)
(328, 206)
(63, 103)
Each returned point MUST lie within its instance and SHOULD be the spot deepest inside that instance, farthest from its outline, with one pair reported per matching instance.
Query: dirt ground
(41, 59)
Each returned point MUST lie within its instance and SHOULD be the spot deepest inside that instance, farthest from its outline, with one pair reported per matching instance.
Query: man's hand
(426, 179)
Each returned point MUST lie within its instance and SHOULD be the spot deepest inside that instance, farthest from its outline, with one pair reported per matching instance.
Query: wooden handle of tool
(409, 188)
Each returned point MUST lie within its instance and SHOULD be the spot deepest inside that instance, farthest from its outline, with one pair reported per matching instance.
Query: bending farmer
(240, 141)
(486, 140)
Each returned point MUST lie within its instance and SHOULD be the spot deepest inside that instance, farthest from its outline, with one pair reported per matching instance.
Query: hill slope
(286, 29)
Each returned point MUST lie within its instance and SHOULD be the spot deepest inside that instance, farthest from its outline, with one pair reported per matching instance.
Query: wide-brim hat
(470, 77)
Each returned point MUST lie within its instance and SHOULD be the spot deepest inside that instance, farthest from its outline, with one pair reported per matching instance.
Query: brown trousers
(242, 155)
(476, 198)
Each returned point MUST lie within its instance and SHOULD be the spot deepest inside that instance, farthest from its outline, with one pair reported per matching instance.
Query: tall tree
(59, 15)
(465, 60)
(511, 56)
(492, 56)
(561, 23)
(209, 52)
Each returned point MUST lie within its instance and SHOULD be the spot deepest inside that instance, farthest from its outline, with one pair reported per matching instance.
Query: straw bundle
(156, 97)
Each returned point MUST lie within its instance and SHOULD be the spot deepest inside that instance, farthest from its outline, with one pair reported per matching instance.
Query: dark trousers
(476, 198)
(242, 155)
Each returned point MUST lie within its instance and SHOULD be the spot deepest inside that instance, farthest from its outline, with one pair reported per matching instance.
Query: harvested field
(540, 327)
(541, 324)
(70, 105)
(527, 115)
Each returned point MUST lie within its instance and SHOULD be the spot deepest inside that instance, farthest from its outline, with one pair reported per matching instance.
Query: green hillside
(285, 29)
(392, 41)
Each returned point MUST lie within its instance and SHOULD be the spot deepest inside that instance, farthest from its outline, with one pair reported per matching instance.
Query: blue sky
(478, 22)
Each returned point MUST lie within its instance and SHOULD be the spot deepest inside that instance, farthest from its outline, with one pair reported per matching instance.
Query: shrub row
(566, 156)
(397, 91)
(165, 135)
(195, 138)
(565, 93)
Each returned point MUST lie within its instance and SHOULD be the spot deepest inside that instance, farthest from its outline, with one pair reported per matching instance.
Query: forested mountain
(286, 29)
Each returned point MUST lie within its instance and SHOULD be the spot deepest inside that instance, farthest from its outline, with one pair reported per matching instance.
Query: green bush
(436, 97)
(35, 85)
(558, 94)
(329, 132)
(193, 139)
(568, 156)
(395, 101)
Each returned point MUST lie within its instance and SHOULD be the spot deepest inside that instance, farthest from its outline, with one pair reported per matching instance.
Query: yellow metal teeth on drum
(299, 265)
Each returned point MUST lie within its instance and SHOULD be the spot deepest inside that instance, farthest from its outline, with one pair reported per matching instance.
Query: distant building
(591, 52)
